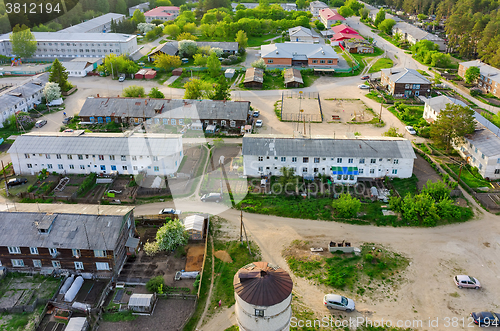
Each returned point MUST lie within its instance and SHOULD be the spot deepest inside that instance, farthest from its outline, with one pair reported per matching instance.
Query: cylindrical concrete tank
(263, 293)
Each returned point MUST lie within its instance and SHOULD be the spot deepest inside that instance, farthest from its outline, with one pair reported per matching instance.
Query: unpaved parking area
(423, 170)
(169, 315)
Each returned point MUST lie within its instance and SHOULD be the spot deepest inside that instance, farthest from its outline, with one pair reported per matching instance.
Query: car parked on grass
(410, 129)
(16, 181)
(259, 123)
(169, 211)
(486, 319)
(212, 197)
(40, 123)
(67, 119)
(364, 87)
(467, 281)
(365, 77)
(339, 302)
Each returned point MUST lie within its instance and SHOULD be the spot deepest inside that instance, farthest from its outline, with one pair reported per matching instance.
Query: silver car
(339, 302)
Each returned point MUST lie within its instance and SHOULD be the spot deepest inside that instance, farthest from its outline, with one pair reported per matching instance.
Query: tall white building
(69, 45)
(263, 295)
(433, 106)
(22, 97)
(80, 152)
(344, 159)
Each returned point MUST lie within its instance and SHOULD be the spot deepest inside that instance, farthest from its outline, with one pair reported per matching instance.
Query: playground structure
(15, 62)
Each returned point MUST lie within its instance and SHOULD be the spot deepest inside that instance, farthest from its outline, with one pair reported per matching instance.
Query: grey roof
(76, 324)
(86, 59)
(484, 69)
(296, 50)
(358, 43)
(65, 208)
(140, 300)
(318, 4)
(194, 222)
(80, 37)
(276, 145)
(27, 89)
(440, 102)
(416, 32)
(293, 75)
(167, 108)
(93, 23)
(254, 75)
(97, 143)
(75, 66)
(405, 76)
(69, 231)
(485, 141)
(300, 31)
(172, 47)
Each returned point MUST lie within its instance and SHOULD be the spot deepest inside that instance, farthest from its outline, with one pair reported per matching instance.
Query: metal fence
(301, 117)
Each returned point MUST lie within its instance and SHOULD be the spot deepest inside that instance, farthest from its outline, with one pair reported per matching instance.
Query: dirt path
(207, 304)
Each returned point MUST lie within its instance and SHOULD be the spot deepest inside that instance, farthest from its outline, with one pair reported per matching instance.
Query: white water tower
(263, 293)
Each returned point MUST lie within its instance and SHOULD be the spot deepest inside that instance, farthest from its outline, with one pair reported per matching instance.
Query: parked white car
(259, 123)
(364, 87)
(410, 129)
(339, 302)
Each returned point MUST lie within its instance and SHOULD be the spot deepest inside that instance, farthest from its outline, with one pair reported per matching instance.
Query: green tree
(354, 5)
(288, 179)
(213, 65)
(187, 48)
(172, 30)
(121, 7)
(386, 25)
(346, 206)
(102, 6)
(364, 12)
(186, 36)
(392, 132)
(23, 42)
(167, 62)
(134, 91)
(171, 235)
(197, 89)
(139, 17)
(345, 11)
(380, 17)
(301, 4)
(221, 90)
(471, 75)
(59, 75)
(241, 39)
(259, 64)
(200, 60)
(451, 125)
(437, 190)
(320, 26)
(155, 93)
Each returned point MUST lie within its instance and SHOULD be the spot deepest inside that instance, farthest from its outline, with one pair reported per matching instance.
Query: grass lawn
(412, 115)
(405, 185)
(19, 321)
(162, 77)
(469, 175)
(376, 268)
(374, 95)
(381, 64)
(252, 41)
(273, 81)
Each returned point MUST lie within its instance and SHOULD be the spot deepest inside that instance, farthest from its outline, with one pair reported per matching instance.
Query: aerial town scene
(212, 165)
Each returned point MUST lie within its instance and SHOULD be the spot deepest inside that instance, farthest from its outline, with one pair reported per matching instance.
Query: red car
(365, 77)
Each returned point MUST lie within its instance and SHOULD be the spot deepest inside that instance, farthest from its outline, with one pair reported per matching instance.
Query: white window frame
(79, 265)
(76, 252)
(34, 250)
(100, 253)
(102, 265)
(53, 251)
(56, 264)
(37, 263)
(14, 250)
(17, 263)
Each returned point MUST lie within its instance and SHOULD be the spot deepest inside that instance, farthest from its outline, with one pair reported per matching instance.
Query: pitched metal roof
(343, 28)
(293, 75)
(405, 76)
(194, 222)
(97, 143)
(140, 300)
(262, 284)
(485, 141)
(300, 31)
(484, 69)
(331, 14)
(161, 11)
(69, 231)
(296, 50)
(172, 47)
(76, 37)
(10, 98)
(166, 108)
(283, 145)
(440, 102)
(254, 75)
(93, 23)
(319, 4)
(344, 36)
(75, 66)
(416, 32)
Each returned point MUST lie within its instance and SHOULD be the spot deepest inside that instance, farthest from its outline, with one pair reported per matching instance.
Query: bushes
(155, 284)
(87, 184)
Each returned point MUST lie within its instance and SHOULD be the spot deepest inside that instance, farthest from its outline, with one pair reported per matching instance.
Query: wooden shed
(142, 303)
(177, 72)
(150, 74)
(254, 78)
(293, 78)
(195, 225)
(140, 74)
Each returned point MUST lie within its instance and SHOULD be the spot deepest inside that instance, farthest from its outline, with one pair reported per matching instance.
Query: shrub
(151, 248)
(155, 284)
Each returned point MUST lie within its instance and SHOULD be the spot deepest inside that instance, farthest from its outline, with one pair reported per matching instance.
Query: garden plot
(345, 110)
(228, 151)
(18, 290)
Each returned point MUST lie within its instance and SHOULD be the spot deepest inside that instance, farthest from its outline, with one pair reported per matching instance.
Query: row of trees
(426, 51)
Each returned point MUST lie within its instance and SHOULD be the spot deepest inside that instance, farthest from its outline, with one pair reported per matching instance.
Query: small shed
(254, 78)
(132, 245)
(77, 324)
(293, 78)
(210, 128)
(140, 74)
(194, 225)
(142, 303)
(196, 126)
(229, 73)
(177, 72)
(150, 74)
(359, 47)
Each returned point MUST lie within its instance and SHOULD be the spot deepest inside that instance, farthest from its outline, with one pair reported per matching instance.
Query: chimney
(98, 95)
(146, 102)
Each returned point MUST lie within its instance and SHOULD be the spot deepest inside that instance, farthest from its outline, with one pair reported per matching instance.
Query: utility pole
(241, 226)
(461, 166)
(5, 178)
(380, 116)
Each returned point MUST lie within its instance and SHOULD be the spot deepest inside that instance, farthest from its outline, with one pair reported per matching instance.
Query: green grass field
(381, 64)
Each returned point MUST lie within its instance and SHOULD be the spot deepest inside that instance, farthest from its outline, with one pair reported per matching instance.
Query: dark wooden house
(254, 78)
(293, 78)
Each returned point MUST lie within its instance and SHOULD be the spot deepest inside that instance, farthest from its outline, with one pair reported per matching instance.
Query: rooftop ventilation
(45, 224)
(277, 52)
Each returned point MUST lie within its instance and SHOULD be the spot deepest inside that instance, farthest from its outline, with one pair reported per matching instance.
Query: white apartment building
(80, 152)
(433, 106)
(100, 24)
(70, 45)
(164, 13)
(481, 149)
(344, 159)
(22, 97)
(316, 6)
